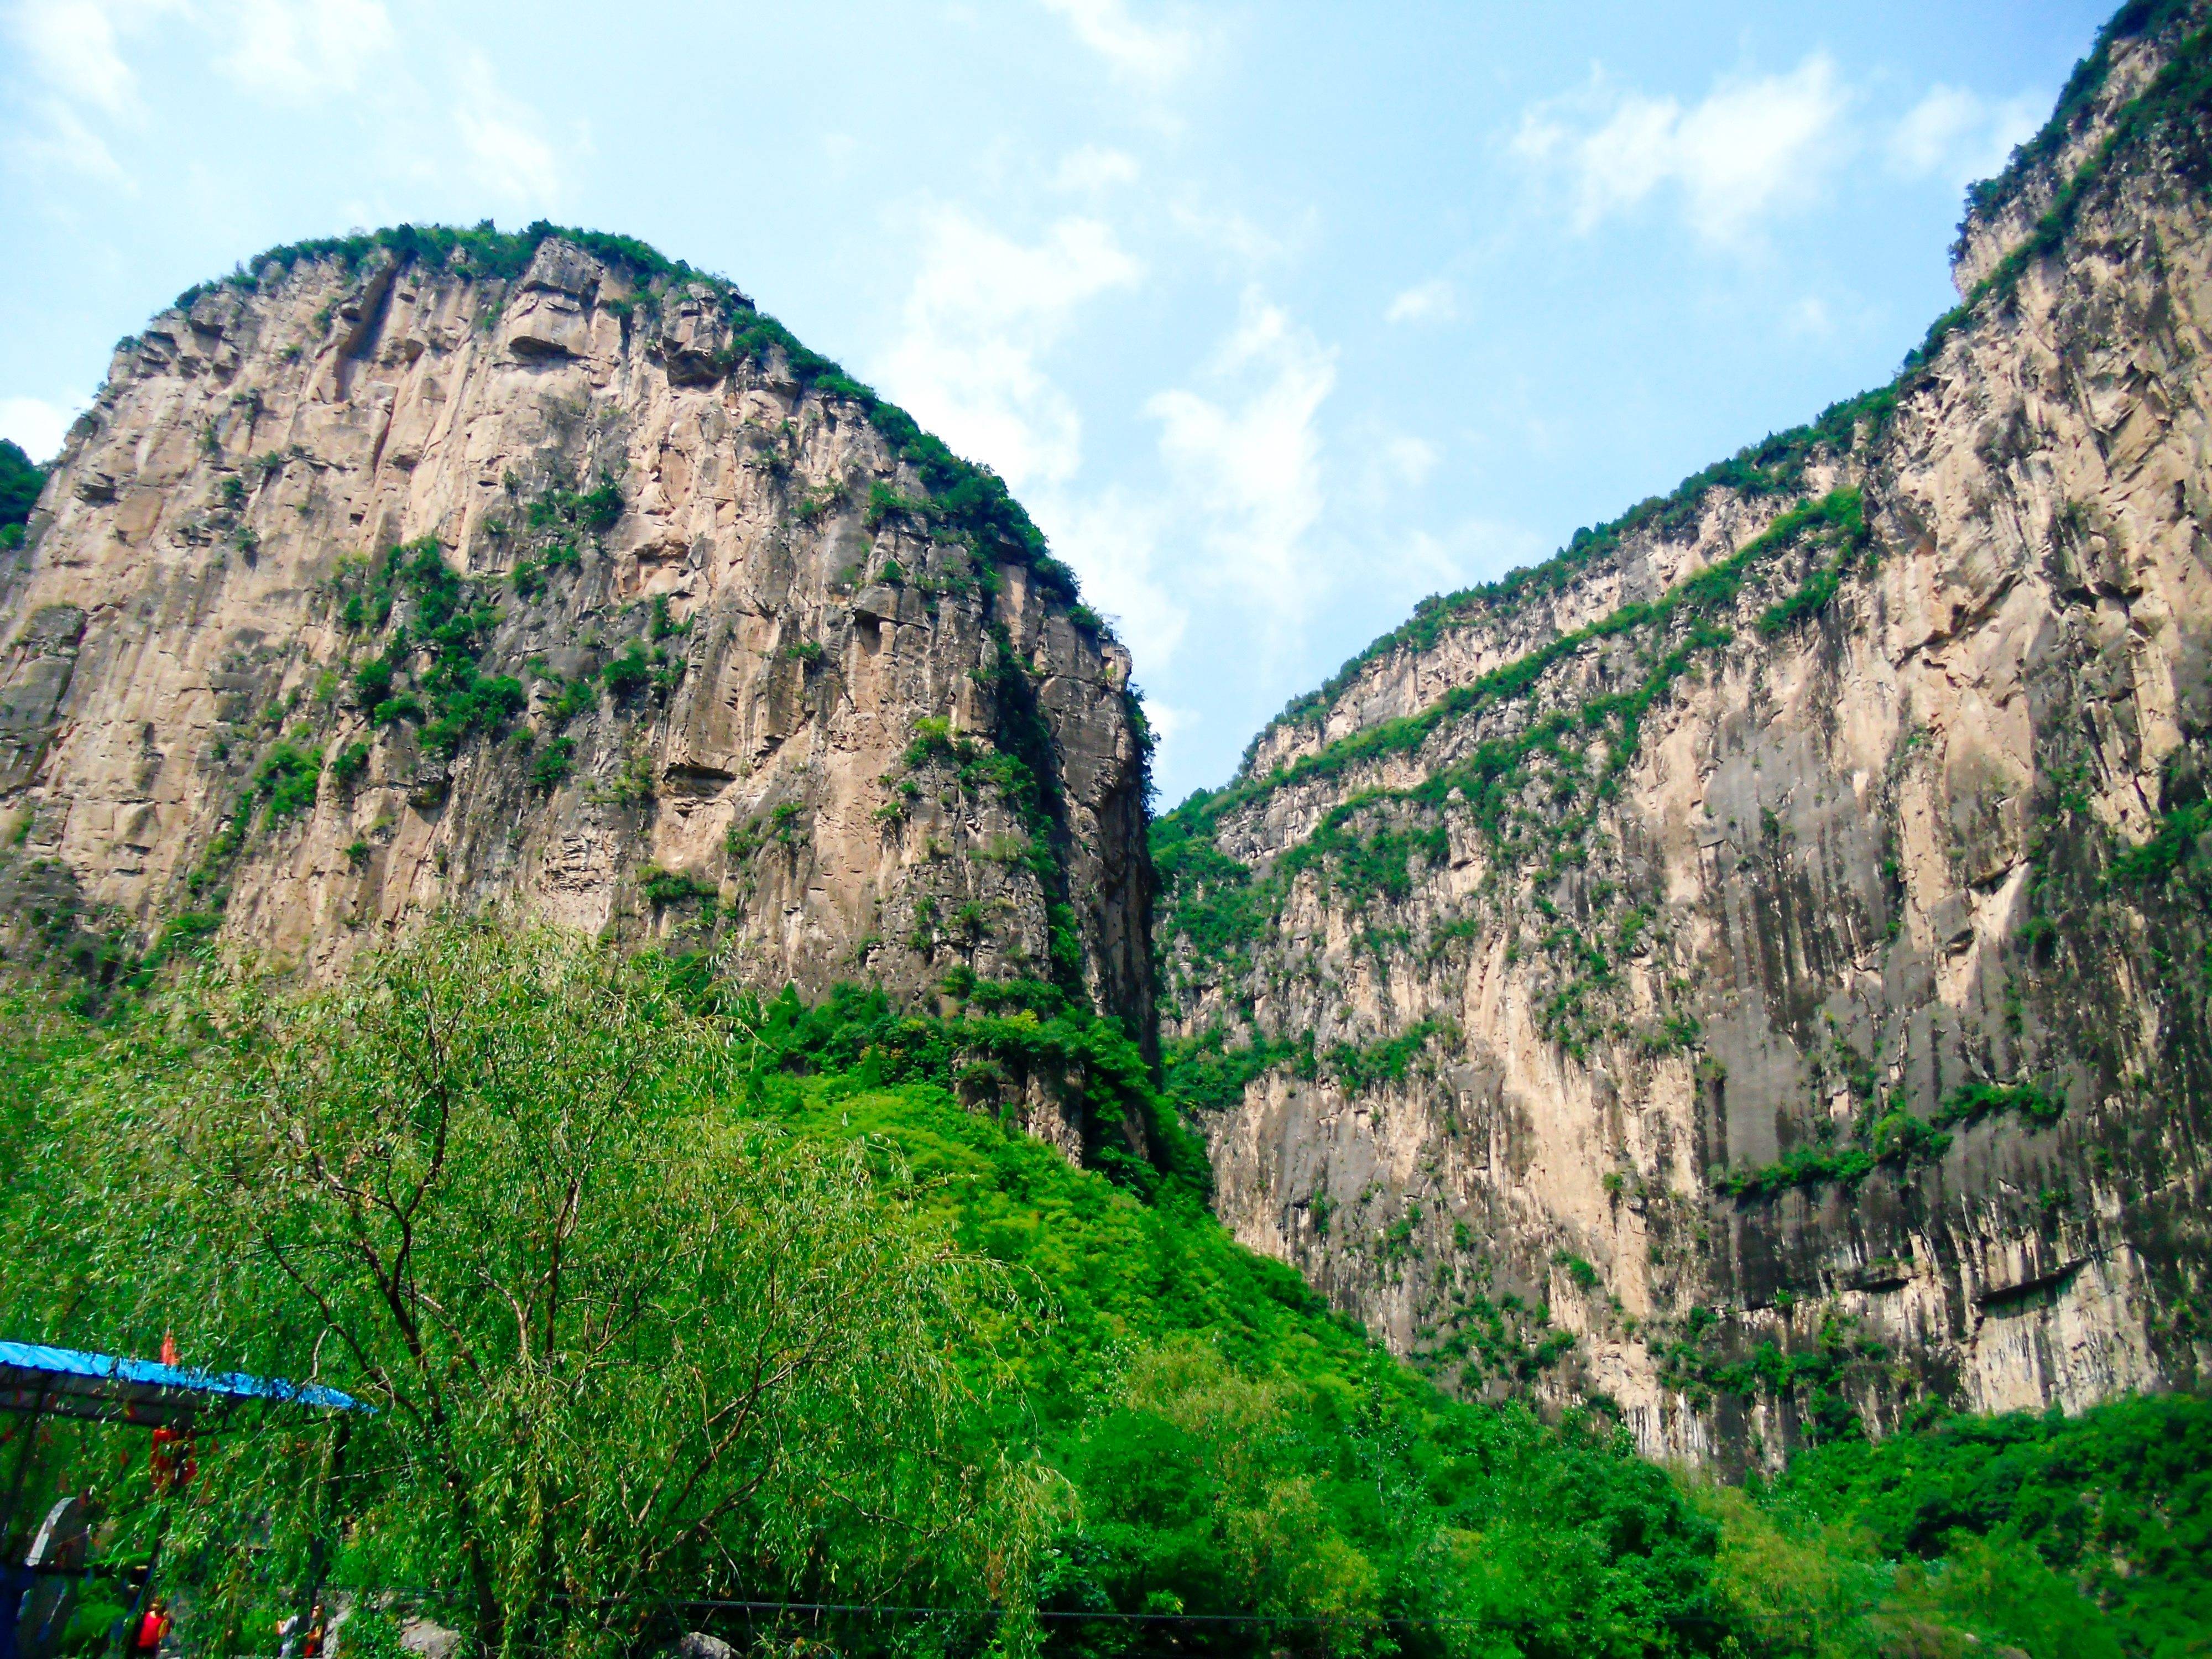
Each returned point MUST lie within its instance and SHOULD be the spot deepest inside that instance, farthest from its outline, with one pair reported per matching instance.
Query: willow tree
(622, 1345)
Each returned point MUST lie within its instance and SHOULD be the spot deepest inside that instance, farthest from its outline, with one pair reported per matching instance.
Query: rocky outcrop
(431, 568)
(1752, 969)
(2004, 212)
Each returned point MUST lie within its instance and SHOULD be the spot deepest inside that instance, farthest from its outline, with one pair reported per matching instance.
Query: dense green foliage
(1235, 1452)
(530, 1198)
(2094, 1532)
(20, 484)
(622, 1341)
(526, 1197)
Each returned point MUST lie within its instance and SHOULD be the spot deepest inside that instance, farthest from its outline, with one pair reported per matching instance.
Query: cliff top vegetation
(1777, 467)
(965, 496)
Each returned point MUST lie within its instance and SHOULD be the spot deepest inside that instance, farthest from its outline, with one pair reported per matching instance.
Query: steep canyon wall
(1752, 969)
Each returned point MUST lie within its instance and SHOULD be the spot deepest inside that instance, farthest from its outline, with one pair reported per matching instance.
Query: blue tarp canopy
(108, 1388)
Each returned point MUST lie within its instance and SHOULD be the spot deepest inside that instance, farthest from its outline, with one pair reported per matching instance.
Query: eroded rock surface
(1754, 968)
(686, 612)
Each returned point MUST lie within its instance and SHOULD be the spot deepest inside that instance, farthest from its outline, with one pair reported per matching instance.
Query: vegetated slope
(2119, 1498)
(1751, 968)
(672, 1304)
(433, 567)
(20, 484)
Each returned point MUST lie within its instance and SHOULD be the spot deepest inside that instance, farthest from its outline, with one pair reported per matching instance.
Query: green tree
(620, 1342)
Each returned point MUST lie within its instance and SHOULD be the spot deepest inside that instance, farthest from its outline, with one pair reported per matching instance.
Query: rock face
(1754, 966)
(428, 569)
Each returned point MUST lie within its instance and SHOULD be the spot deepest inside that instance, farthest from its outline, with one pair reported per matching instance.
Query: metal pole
(23, 1468)
(136, 1616)
(317, 1555)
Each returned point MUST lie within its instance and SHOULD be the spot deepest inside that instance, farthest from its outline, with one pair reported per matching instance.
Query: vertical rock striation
(1754, 966)
(430, 567)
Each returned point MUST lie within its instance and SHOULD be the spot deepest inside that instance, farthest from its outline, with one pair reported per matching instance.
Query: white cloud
(1242, 452)
(1409, 458)
(1113, 541)
(1430, 301)
(1151, 53)
(1751, 148)
(1957, 135)
(59, 140)
(1169, 720)
(1810, 317)
(1923, 140)
(982, 309)
(73, 53)
(1475, 548)
(1242, 447)
(1095, 168)
(500, 139)
(37, 425)
(72, 47)
(1247, 458)
(1387, 466)
(1244, 244)
(296, 51)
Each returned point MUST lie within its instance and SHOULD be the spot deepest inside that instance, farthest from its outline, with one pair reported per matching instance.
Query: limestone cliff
(430, 566)
(1754, 967)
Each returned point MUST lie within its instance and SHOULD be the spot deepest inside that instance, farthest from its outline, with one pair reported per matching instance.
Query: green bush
(20, 483)
(352, 760)
(1972, 1101)
(1584, 1275)
(2058, 1534)
(884, 504)
(288, 778)
(452, 698)
(576, 697)
(662, 886)
(1005, 1378)
(566, 1259)
(628, 674)
(550, 767)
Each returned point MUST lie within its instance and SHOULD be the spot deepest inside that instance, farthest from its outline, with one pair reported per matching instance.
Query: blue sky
(1278, 317)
